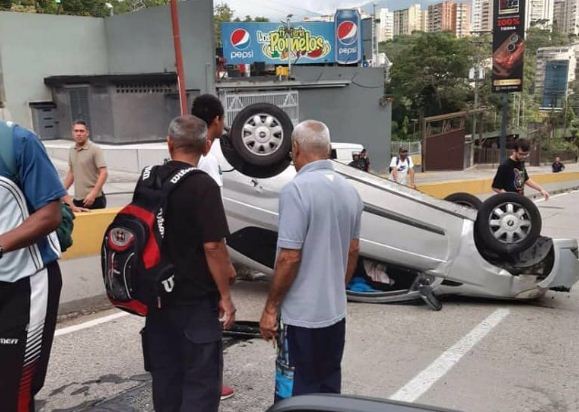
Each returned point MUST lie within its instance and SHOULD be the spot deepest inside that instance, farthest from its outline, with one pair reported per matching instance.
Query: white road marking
(445, 362)
(555, 196)
(89, 324)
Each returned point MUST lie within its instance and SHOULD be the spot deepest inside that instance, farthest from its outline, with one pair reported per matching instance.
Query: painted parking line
(89, 324)
(445, 362)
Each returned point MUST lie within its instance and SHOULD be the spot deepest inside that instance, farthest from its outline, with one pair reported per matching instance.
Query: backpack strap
(7, 159)
(179, 176)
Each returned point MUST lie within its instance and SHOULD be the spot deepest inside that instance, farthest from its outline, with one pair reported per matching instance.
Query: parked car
(412, 246)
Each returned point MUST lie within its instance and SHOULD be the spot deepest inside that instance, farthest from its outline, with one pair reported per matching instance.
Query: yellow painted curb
(88, 232)
(481, 186)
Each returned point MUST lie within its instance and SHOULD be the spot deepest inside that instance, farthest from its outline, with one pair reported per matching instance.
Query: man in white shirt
(209, 108)
(402, 168)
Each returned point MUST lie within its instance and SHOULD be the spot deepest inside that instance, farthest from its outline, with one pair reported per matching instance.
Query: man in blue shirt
(30, 279)
(319, 228)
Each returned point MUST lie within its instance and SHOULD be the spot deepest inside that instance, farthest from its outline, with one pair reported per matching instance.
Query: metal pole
(374, 37)
(289, 48)
(178, 57)
(473, 136)
(504, 118)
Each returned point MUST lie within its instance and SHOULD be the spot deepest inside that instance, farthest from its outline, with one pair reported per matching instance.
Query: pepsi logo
(240, 39)
(347, 32)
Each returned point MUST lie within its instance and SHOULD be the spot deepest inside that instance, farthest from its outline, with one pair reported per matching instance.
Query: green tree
(429, 75)
(6, 5)
(222, 13)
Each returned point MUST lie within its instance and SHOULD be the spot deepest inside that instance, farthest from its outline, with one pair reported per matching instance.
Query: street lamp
(289, 46)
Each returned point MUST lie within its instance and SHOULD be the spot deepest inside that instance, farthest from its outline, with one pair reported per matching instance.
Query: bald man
(319, 227)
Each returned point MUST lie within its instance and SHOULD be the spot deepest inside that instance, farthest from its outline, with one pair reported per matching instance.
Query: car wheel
(465, 199)
(248, 169)
(261, 134)
(508, 223)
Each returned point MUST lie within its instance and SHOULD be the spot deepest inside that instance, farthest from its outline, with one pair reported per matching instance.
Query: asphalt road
(474, 355)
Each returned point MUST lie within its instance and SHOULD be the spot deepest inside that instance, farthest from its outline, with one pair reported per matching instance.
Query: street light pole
(178, 57)
(289, 47)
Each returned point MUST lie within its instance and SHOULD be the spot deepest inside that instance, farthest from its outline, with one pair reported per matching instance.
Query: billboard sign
(555, 84)
(308, 43)
(508, 45)
(348, 36)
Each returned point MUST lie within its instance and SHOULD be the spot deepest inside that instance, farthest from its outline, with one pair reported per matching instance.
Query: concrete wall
(35, 46)
(143, 43)
(353, 113)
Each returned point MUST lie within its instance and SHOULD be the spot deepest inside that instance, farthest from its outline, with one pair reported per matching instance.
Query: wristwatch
(1, 251)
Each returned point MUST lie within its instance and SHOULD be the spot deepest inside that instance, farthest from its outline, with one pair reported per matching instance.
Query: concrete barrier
(125, 158)
(483, 186)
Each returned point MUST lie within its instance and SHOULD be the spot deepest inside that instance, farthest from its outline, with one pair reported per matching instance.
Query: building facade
(555, 71)
(559, 14)
(409, 20)
(462, 20)
(451, 17)
(482, 16)
(386, 25)
(539, 13)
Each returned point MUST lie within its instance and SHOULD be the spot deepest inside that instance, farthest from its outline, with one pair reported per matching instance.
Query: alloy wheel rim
(262, 134)
(510, 223)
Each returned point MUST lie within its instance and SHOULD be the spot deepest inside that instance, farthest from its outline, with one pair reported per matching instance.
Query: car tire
(465, 199)
(248, 169)
(261, 134)
(508, 223)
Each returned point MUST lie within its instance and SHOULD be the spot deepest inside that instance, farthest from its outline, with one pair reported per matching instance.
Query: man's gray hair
(314, 137)
(188, 133)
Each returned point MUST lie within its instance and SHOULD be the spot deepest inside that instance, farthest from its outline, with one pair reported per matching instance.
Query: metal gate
(79, 107)
(233, 103)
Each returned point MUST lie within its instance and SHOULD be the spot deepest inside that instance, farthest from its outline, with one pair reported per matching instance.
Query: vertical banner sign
(508, 45)
(348, 30)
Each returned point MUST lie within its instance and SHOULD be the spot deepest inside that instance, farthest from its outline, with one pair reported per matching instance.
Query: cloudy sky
(277, 9)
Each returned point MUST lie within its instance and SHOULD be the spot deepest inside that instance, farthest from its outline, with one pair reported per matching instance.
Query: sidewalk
(482, 173)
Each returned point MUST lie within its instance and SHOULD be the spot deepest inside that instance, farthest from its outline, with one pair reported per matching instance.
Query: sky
(278, 9)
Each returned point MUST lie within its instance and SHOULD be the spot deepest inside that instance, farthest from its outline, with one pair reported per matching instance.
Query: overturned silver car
(413, 246)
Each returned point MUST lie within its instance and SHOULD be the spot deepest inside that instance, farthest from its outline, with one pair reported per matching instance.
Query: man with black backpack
(30, 279)
(182, 339)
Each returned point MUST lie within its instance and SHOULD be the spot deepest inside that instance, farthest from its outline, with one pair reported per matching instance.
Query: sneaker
(226, 392)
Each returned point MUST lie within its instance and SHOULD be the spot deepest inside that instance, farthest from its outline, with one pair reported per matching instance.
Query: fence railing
(233, 103)
(412, 147)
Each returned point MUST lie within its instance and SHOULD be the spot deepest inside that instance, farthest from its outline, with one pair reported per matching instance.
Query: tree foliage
(222, 13)
(429, 75)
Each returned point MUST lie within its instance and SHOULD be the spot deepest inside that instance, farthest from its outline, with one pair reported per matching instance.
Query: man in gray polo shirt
(319, 228)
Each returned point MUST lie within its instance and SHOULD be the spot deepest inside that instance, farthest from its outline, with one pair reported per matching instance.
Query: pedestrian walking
(30, 279)
(182, 341)
(512, 174)
(319, 227)
(402, 168)
(87, 170)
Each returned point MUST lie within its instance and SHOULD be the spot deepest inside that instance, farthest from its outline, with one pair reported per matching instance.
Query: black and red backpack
(136, 272)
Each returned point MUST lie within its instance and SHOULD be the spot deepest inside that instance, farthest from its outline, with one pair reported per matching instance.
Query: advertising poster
(306, 43)
(508, 45)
